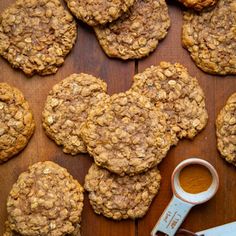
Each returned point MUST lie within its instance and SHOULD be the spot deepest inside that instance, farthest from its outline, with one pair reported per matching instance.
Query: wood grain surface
(88, 57)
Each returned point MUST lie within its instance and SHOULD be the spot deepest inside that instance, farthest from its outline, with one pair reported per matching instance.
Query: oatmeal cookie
(67, 107)
(123, 197)
(126, 134)
(94, 12)
(16, 122)
(226, 130)
(175, 92)
(136, 33)
(198, 5)
(8, 231)
(45, 200)
(36, 35)
(210, 38)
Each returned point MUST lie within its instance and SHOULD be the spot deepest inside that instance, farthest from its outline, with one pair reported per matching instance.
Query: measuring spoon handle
(172, 217)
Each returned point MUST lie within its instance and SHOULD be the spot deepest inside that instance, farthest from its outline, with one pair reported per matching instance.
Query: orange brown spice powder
(195, 178)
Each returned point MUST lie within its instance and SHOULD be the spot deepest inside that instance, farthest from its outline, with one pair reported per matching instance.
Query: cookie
(226, 130)
(16, 122)
(8, 231)
(136, 33)
(67, 107)
(45, 200)
(198, 5)
(94, 12)
(126, 134)
(123, 197)
(176, 93)
(36, 35)
(209, 36)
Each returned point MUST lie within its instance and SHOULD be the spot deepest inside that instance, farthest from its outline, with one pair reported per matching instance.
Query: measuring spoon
(182, 202)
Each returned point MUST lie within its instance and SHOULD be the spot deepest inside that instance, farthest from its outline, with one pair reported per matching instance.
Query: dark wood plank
(221, 209)
(86, 57)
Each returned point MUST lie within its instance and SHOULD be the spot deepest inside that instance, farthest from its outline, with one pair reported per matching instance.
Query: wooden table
(88, 57)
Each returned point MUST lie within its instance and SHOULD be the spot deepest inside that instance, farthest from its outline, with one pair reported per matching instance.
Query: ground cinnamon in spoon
(195, 178)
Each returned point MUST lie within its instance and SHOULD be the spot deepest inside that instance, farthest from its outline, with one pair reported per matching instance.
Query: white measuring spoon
(182, 202)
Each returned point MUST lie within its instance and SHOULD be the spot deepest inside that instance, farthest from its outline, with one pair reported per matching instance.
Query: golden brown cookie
(136, 33)
(226, 130)
(36, 35)
(67, 107)
(209, 36)
(123, 197)
(94, 12)
(8, 231)
(198, 5)
(126, 134)
(45, 200)
(16, 122)
(176, 93)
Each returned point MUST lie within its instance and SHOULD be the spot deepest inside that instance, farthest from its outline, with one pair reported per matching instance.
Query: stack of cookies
(124, 133)
(128, 134)
(126, 29)
(127, 137)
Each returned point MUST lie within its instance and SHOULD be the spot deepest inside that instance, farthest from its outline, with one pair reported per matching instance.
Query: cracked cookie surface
(226, 130)
(67, 107)
(126, 134)
(198, 5)
(45, 200)
(36, 35)
(136, 33)
(16, 122)
(94, 12)
(176, 93)
(209, 36)
(123, 197)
